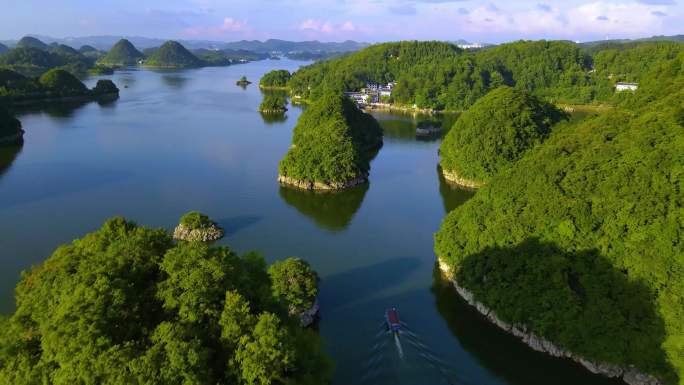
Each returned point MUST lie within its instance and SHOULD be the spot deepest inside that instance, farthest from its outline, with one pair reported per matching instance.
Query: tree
(295, 283)
(267, 354)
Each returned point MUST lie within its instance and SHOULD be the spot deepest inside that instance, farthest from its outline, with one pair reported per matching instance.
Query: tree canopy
(295, 283)
(62, 82)
(173, 55)
(31, 42)
(437, 75)
(196, 220)
(496, 132)
(54, 84)
(581, 239)
(275, 79)
(332, 142)
(123, 53)
(124, 305)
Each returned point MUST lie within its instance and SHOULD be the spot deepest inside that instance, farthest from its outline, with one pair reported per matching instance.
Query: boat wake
(407, 357)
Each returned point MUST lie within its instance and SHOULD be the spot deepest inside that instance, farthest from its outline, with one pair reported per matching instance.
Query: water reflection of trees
(54, 109)
(8, 154)
(273, 118)
(329, 210)
(402, 126)
(174, 80)
(452, 195)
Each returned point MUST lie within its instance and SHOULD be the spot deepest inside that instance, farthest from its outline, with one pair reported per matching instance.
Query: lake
(177, 141)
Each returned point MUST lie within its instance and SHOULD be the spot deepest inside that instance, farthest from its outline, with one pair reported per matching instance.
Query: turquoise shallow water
(191, 140)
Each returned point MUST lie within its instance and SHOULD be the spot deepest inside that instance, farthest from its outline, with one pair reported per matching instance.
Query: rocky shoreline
(211, 233)
(453, 177)
(320, 186)
(630, 375)
(309, 316)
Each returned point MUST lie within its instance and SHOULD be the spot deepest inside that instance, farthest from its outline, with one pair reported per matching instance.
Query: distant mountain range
(676, 38)
(105, 43)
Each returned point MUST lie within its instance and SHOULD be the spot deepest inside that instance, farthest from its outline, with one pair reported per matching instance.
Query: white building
(471, 46)
(626, 86)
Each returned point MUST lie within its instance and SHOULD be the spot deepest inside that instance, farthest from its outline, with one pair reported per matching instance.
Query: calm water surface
(192, 140)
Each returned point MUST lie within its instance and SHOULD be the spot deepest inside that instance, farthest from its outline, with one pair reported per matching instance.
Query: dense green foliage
(33, 61)
(295, 283)
(56, 83)
(581, 240)
(332, 142)
(105, 87)
(62, 83)
(173, 55)
(196, 220)
(275, 79)
(31, 42)
(273, 102)
(631, 62)
(123, 53)
(437, 75)
(9, 125)
(496, 132)
(124, 305)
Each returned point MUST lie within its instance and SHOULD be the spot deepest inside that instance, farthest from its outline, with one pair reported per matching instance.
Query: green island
(332, 145)
(123, 53)
(11, 133)
(243, 82)
(494, 133)
(172, 55)
(576, 248)
(55, 85)
(159, 312)
(32, 57)
(197, 227)
(273, 103)
(276, 79)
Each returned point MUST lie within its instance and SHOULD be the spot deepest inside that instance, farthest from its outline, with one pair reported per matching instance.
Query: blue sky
(334, 20)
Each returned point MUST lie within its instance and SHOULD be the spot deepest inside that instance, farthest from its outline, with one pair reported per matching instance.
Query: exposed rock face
(630, 375)
(312, 185)
(208, 234)
(453, 177)
(308, 317)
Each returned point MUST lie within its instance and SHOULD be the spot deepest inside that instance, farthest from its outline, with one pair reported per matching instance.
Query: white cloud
(229, 27)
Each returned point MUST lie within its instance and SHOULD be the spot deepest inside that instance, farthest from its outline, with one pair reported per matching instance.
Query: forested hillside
(125, 305)
(581, 240)
(440, 76)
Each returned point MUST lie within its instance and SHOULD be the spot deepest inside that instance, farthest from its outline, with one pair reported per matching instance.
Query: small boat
(392, 318)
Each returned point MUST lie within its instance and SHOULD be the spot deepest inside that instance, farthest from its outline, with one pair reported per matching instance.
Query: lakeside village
(377, 96)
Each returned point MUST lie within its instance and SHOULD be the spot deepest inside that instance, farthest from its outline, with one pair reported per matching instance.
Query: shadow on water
(452, 195)
(235, 224)
(174, 80)
(331, 211)
(341, 289)
(8, 154)
(603, 313)
(41, 181)
(63, 110)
